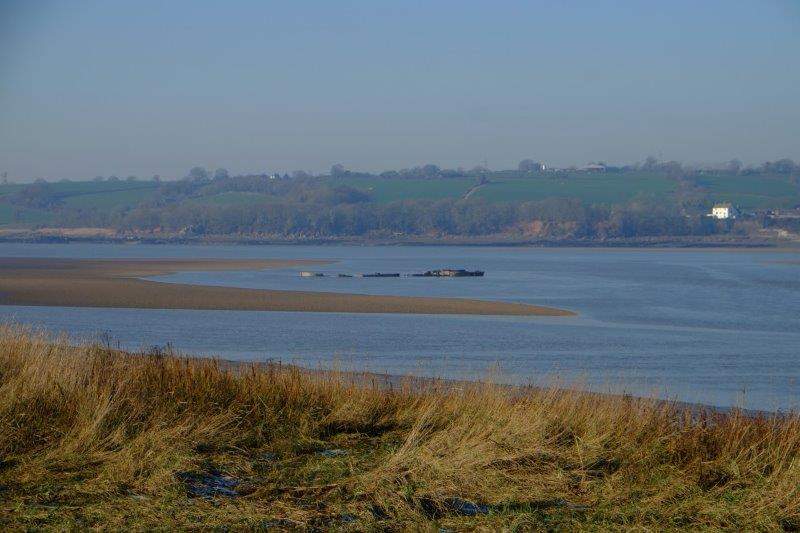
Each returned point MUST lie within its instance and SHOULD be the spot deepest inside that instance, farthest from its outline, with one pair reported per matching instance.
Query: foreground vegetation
(93, 437)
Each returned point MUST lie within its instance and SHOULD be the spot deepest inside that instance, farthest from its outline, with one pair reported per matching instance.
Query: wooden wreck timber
(438, 273)
(450, 273)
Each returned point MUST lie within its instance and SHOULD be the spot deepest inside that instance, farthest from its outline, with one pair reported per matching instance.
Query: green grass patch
(9, 188)
(392, 190)
(591, 188)
(108, 199)
(14, 215)
(72, 188)
(92, 194)
(236, 198)
(752, 192)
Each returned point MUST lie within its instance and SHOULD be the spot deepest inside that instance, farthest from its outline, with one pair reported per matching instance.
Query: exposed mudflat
(117, 283)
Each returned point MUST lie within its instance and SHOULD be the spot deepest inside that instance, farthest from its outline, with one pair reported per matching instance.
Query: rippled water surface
(719, 327)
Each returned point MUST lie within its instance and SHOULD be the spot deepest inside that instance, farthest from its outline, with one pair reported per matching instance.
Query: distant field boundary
(105, 191)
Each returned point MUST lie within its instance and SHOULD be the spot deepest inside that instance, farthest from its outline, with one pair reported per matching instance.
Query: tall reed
(95, 437)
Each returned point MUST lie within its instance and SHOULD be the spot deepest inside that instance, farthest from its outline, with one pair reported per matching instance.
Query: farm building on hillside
(723, 211)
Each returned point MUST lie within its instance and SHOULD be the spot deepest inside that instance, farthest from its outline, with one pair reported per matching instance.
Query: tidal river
(709, 326)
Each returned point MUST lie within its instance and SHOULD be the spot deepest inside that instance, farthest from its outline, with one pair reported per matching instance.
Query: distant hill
(587, 204)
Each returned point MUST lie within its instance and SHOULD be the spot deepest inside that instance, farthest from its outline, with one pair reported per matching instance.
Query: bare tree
(650, 163)
(198, 174)
(338, 171)
(734, 166)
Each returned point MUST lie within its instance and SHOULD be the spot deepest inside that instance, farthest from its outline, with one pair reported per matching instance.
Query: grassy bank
(92, 437)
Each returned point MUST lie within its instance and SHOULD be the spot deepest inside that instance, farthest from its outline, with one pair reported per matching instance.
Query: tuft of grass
(92, 437)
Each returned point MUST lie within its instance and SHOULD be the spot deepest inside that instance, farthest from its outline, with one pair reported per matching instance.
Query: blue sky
(96, 87)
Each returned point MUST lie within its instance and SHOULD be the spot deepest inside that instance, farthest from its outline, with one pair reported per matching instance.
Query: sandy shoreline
(116, 283)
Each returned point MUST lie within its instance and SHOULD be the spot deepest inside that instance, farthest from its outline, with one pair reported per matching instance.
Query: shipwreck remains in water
(450, 273)
(438, 273)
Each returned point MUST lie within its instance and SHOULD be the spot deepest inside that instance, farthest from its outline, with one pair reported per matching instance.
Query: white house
(723, 211)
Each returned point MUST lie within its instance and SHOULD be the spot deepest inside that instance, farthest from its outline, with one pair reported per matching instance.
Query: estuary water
(708, 326)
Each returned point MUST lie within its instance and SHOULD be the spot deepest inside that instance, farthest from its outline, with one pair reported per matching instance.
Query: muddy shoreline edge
(119, 284)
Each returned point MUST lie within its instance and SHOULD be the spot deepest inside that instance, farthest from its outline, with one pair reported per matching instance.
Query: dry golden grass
(94, 438)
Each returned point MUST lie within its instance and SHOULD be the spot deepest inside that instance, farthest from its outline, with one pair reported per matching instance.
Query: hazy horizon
(90, 88)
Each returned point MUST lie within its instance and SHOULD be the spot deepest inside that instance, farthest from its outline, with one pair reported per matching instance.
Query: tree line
(302, 205)
(548, 219)
(526, 168)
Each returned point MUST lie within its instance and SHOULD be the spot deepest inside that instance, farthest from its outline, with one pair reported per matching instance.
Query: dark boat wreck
(450, 273)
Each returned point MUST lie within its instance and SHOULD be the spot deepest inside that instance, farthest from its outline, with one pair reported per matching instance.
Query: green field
(108, 199)
(591, 188)
(94, 194)
(235, 198)
(391, 190)
(10, 188)
(745, 191)
(12, 215)
(102, 194)
(752, 192)
(71, 188)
